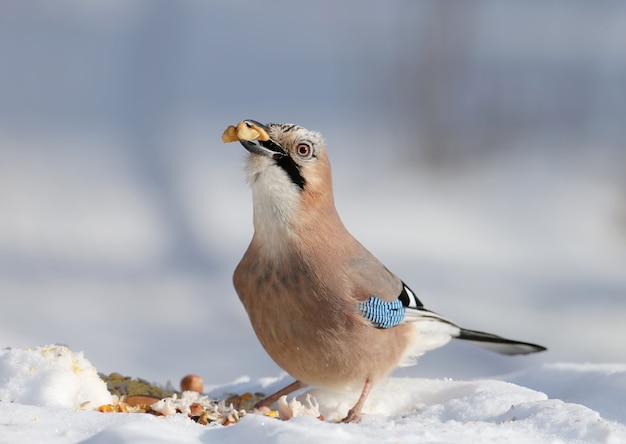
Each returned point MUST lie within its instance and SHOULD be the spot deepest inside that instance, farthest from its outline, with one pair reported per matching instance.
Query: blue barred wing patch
(382, 314)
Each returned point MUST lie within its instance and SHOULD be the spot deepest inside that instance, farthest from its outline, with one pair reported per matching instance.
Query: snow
(50, 376)
(43, 392)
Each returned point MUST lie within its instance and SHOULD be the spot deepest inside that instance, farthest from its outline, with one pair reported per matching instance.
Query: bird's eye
(304, 150)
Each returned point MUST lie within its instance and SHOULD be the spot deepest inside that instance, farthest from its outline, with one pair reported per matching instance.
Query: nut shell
(143, 401)
(230, 135)
(244, 131)
(192, 383)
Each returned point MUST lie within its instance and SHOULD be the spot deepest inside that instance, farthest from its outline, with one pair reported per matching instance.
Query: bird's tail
(430, 322)
(498, 344)
(488, 341)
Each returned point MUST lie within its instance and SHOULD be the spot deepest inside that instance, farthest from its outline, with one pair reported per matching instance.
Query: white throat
(275, 200)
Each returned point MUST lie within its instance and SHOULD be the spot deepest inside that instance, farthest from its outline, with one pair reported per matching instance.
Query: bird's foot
(264, 404)
(353, 416)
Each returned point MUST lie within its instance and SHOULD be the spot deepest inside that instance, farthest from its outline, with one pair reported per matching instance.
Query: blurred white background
(477, 147)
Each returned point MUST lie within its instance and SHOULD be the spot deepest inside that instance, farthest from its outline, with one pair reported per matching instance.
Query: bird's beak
(267, 148)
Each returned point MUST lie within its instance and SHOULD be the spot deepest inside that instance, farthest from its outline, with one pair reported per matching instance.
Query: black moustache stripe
(292, 169)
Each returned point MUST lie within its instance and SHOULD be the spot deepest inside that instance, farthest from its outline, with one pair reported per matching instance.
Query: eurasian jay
(323, 307)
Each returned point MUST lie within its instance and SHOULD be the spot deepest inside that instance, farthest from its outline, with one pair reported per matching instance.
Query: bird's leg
(271, 399)
(354, 414)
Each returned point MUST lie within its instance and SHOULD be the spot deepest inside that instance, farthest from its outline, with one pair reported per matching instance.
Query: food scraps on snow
(134, 395)
(59, 377)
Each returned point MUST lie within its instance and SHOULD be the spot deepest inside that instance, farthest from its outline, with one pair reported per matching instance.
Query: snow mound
(554, 403)
(601, 387)
(50, 376)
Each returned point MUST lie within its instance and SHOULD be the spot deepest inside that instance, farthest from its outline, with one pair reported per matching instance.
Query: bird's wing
(370, 277)
(386, 301)
(383, 298)
(430, 324)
